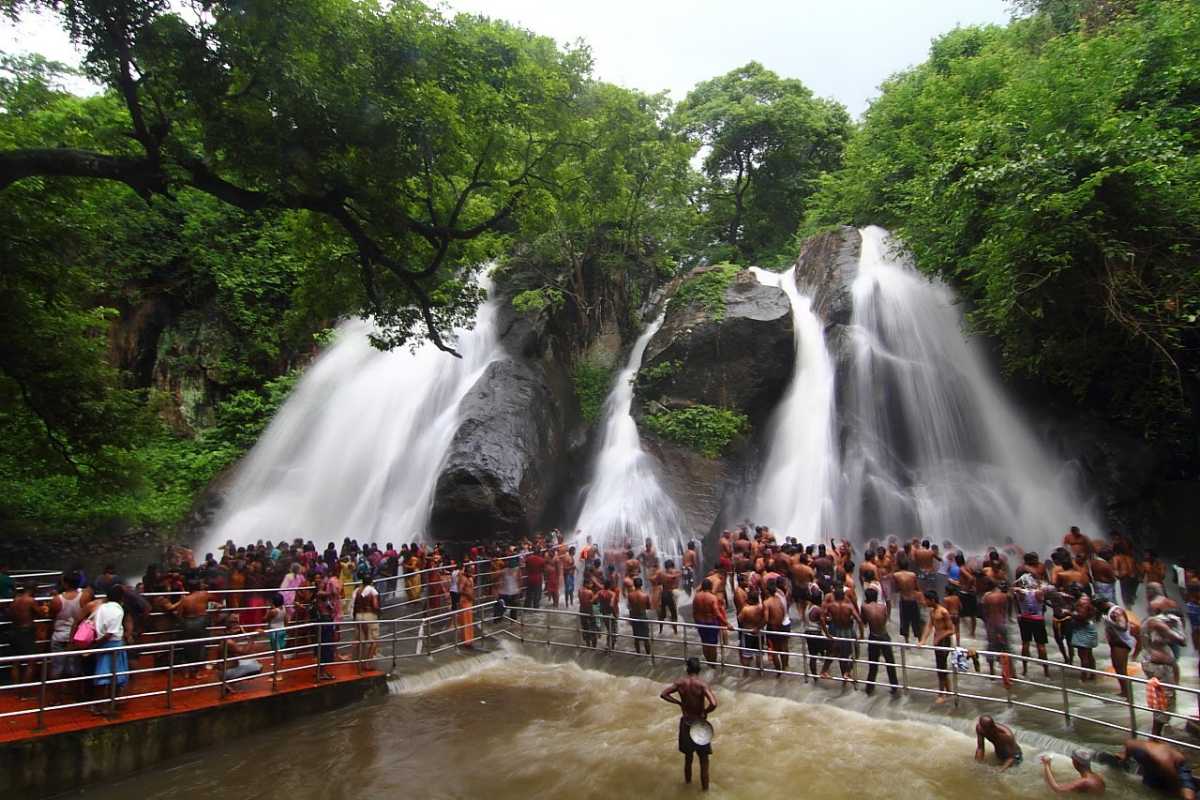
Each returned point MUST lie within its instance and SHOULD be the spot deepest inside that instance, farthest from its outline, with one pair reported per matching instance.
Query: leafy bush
(706, 289)
(592, 382)
(704, 428)
(648, 376)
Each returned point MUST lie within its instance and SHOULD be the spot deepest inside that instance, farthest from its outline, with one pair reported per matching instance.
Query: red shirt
(535, 565)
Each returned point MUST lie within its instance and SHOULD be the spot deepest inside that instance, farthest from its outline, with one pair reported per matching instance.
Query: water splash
(793, 497)
(625, 500)
(355, 451)
(933, 447)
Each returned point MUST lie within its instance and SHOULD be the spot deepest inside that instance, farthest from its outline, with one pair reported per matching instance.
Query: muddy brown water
(508, 725)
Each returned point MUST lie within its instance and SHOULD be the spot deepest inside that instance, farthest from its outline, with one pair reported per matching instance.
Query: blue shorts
(709, 634)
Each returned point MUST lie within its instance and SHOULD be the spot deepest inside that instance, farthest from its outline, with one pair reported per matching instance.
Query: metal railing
(679, 651)
(427, 635)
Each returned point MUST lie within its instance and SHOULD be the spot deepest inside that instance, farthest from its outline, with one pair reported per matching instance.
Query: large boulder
(740, 360)
(507, 457)
(738, 357)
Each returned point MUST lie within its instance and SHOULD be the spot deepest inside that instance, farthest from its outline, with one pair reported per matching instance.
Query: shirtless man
(802, 577)
(751, 620)
(1088, 781)
(22, 613)
(910, 606)
(696, 702)
(587, 615)
(609, 600)
(777, 640)
(1163, 767)
(709, 613)
(691, 564)
(1002, 739)
(668, 580)
(192, 611)
(1077, 543)
(1158, 658)
(1151, 569)
(842, 623)
(1104, 576)
(1125, 568)
(875, 615)
(941, 631)
(925, 560)
(1075, 572)
(639, 605)
(996, 616)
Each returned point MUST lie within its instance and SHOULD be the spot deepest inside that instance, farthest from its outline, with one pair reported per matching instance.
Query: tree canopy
(767, 140)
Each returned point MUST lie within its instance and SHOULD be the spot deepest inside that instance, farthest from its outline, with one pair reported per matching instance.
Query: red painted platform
(184, 699)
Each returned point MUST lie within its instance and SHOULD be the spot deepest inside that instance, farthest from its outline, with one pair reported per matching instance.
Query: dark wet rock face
(742, 361)
(501, 464)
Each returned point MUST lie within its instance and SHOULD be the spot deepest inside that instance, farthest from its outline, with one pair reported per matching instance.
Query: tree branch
(137, 172)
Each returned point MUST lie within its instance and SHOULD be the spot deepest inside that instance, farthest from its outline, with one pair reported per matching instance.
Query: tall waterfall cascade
(794, 494)
(355, 451)
(625, 500)
(927, 444)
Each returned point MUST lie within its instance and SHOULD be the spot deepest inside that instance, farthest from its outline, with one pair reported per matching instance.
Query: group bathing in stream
(781, 605)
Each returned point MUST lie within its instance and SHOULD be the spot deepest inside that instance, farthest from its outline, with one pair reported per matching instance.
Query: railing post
(1132, 709)
(170, 671)
(1062, 672)
(42, 695)
(650, 642)
(904, 669)
(428, 626)
(953, 680)
(320, 650)
(803, 655)
(546, 614)
(721, 651)
(275, 669)
(685, 630)
(360, 629)
(393, 645)
(224, 666)
(112, 695)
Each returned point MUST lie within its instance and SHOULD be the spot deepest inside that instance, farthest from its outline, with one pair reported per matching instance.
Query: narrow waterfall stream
(794, 493)
(625, 500)
(355, 450)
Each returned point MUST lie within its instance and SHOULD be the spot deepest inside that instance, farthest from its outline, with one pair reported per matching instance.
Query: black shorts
(687, 746)
(641, 630)
(910, 618)
(1032, 630)
(818, 645)
(942, 657)
(970, 605)
(22, 641)
(751, 641)
(777, 640)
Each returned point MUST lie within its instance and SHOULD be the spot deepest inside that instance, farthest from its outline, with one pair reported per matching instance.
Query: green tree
(767, 140)
(415, 135)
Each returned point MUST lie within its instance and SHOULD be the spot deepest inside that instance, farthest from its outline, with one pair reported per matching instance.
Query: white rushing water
(934, 448)
(794, 493)
(929, 445)
(625, 500)
(355, 450)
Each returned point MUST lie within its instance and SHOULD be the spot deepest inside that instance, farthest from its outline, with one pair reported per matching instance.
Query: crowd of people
(761, 588)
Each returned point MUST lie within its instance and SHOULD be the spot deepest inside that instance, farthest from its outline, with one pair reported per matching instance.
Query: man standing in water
(696, 702)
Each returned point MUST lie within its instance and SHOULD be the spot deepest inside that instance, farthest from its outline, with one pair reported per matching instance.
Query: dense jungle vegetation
(249, 173)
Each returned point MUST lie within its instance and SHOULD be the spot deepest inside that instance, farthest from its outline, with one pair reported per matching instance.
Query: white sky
(840, 48)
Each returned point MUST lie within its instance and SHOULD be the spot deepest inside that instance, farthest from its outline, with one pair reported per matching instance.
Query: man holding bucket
(696, 702)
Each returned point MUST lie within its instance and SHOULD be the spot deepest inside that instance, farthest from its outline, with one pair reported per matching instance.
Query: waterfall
(355, 451)
(793, 496)
(625, 500)
(933, 448)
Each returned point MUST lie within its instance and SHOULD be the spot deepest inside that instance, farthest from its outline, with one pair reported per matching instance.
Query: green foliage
(648, 376)
(592, 382)
(768, 142)
(1052, 172)
(706, 429)
(533, 301)
(707, 289)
